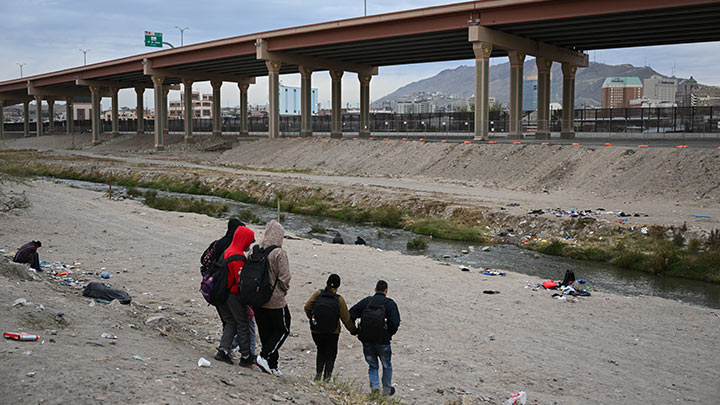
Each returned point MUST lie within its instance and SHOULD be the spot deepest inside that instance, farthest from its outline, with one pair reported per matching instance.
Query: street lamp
(21, 65)
(84, 51)
(182, 32)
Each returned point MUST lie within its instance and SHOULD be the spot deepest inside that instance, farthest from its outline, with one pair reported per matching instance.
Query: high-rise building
(659, 89)
(529, 99)
(202, 105)
(618, 91)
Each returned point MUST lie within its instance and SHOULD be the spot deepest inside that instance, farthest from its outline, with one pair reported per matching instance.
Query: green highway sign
(153, 39)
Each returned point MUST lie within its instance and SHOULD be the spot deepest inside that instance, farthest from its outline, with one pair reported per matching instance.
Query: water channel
(602, 277)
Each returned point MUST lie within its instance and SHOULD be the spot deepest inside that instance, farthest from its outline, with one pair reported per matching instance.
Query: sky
(47, 35)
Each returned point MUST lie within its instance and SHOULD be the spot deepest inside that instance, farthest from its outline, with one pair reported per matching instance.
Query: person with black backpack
(264, 282)
(379, 321)
(325, 309)
(233, 312)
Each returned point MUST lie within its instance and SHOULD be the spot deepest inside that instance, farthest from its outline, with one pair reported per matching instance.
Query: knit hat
(333, 281)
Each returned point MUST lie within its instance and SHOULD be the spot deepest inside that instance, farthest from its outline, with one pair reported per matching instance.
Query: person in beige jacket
(273, 318)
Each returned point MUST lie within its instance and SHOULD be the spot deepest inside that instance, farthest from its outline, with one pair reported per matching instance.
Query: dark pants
(33, 261)
(327, 346)
(273, 327)
(372, 353)
(234, 316)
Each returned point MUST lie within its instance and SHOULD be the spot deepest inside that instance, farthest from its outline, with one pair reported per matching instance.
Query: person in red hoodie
(234, 314)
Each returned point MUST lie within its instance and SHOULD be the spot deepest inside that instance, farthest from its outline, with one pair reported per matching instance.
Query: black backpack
(254, 283)
(325, 313)
(214, 283)
(373, 326)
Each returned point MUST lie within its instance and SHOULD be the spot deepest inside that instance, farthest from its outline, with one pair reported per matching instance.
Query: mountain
(460, 82)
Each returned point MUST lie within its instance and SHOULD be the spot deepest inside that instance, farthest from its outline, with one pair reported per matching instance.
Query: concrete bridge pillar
(69, 116)
(305, 100)
(244, 108)
(166, 111)
(568, 102)
(517, 60)
(216, 110)
(159, 112)
(336, 124)
(2, 119)
(26, 119)
(140, 110)
(187, 88)
(543, 93)
(38, 116)
(273, 98)
(364, 123)
(114, 111)
(95, 114)
(482, 83)
(51, 115)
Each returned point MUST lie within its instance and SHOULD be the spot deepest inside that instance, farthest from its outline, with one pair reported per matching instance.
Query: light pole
(182, 32)
(21, 65)
(84, 51)
(365, 2)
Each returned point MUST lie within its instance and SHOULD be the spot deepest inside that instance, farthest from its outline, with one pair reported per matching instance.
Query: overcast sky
(46, 35)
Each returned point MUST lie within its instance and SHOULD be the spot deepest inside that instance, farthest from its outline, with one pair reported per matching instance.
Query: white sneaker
(276, 372)
(264, 366)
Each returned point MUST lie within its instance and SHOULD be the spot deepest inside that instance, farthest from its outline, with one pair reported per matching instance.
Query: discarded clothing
(100, 290)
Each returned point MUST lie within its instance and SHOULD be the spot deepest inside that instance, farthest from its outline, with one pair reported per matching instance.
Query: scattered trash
(517, 399)
(21, 336)
(701, 216)
(105, 274)
(168, 255)
(108, 336)
(203, 362)
(514, 204)
(491, 292)
(21, 302)
(464, 268)
(489, 272)
(227, 382)
(607, 298)
(31, 374)
(136, 357)
(485, 248)
(644, 230)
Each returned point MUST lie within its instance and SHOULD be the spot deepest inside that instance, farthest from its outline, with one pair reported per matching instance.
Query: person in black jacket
(27, 253)
(376, 337)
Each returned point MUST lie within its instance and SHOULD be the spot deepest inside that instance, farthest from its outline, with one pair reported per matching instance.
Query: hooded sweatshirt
(242, 240)
(279, 266)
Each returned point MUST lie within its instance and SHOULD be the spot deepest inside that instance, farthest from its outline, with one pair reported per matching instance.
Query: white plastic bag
(517, 399)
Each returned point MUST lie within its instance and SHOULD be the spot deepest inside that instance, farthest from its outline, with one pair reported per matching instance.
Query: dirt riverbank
(454, 341)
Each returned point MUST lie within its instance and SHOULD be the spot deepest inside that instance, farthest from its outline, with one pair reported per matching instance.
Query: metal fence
(618, 120)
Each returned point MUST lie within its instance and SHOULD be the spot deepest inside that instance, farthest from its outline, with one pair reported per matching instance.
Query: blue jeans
(372, 352)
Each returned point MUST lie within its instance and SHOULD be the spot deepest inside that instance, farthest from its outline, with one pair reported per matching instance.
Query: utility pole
(182, 32)
(365, 2)
(84, 51)
(21, 65)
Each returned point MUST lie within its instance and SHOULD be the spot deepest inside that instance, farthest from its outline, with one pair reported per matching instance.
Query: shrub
(448, 229)
(246, 215)
(317, 228)
(555, 248)
(417, 243)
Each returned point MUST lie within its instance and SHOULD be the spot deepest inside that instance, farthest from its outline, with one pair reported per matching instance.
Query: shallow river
(601, 277)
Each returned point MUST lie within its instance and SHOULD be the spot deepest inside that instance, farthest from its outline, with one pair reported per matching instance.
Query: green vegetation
(351, 392)
(182, 204)
(316, 228)
(447, 229)
(417, 243)
(656, 254)
(247, 215)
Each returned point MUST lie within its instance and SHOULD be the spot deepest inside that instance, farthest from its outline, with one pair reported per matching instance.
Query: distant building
(290, 103)
(529, 100)
(415, 107)
(659, 90)
(202, 105)
(81, 108)
(618, 91)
